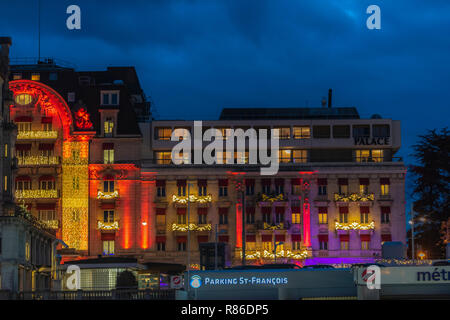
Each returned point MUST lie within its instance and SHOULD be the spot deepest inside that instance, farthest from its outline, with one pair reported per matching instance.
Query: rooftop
(288, 113)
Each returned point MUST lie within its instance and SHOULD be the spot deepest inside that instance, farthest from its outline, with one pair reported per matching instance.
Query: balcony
(38, 161)
(265, 254)
(107, 195)
(107, 226)
(354, 226)
(51, 224)
(354, 197)
(192, 199)
(36, 134)
(271, 198)
(284, 225)
(37, 194)
(191, 227)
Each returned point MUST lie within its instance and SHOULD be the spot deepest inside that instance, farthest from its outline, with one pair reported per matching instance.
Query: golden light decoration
(280, 254)
(268, 226)
(108, 226)
(354, 226)
(272, 198)
(52, 224)
(36, 194)
(37, 134)
(191, 198)
(192, 227)
(353, 197)
(107, 195)
(38, 160)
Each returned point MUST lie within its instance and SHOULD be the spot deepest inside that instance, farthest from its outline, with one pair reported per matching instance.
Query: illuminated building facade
(101, 174)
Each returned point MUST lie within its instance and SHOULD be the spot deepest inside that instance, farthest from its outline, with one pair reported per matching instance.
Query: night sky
(195, 57)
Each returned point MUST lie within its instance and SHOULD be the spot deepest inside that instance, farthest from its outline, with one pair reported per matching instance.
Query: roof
(288, 113)
(103, 260)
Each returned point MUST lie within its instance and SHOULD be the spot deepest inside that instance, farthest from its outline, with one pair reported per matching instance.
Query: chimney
(329, 97)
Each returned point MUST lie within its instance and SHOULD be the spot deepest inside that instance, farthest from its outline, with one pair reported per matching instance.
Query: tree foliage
(126, 280)
(431, 190)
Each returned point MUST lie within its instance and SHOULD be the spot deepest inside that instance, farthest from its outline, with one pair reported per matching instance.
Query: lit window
(300, 156)
(47, 127)
(27, 251)
(296, 218)
(323, 245)
(6, 183)
(363, 189)
(47, 215)
(108, 216)
(384, 189)
(108, 186)
(6, 150)
(182, 133)
(296, 245)
(24, 126)
(365, 217)
(344, 245)
(36, 77)
(377, 155)
(250, 245)
(222, 157)
(241, 157)
(364, 245)
(47, 184)
(362, 155)
(267, 245)
(302, 132)
(23, 99)
(226, 132)
(108, 126)
(108, 156)
(17, 76)
(108, 247)
(282, 133)
(343, 217)
(323, 218)
(163, 133)
(163, 157)
(182, 158)
(160, 220)
(284, 155)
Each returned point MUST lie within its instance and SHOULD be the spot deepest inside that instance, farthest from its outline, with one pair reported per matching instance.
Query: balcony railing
(282, 225)
(107, 226)
(36, 134)
(354, 226)
(38, 160)
(107, 195)
(354, 197)
(37, 194)
(191, 227)
(265, 254)
(272, 197)
(51, 224)
(191, 198)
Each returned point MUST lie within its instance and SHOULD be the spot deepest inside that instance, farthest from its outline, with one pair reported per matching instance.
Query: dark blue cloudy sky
(194, 57)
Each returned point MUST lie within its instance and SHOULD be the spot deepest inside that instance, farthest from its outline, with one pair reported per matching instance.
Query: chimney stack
(5, 43)
(329, 97)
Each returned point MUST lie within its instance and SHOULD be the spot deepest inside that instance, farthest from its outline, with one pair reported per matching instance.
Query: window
(226, 132)
(53, 76)
(17, 76)
(385, 215)
(161, 246)
(47, 184)
(322, 189)
(321, 132)
(160, 219)
(23, 184)
(47, 127)
(364, 186)
(266, 189)
(163, 157)
(343, 217)
(343, 186)
(377, 155)
(181, 218)
(250, 215)
(108, 247)
(163, 133)
(344, 245)
(36, 77)
(223, 157)
(362, 155)
(161, 191)
(250, 245)
(241, 157)
(223, 218)
(284, 155)
(108, 156)
(27, 251)
(24, 126)
(6, 183)
(296, 245)
(282, 133)
(300, 156)
(279, 189)
(223, 191)
(341, 132)
(267, 216)
(279, 217)
(250, 190)
(6, 150)
(381, 130)
(267, 245)
(302, 132)
(71, 97)
(361, 131)
(364, 217)
(110, 98)
(108, 216)
(108, 126)
(323, 215)
(296, 217)
(365, 245)
(47, 215)
(181, 246)
(201, 218)
(181, 191)
(384, 189)
(108, 186)
(323, 245)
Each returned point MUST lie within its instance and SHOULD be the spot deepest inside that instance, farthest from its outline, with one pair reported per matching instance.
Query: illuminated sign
(362, 141)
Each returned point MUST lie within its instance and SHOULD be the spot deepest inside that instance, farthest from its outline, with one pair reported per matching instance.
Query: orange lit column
(145, 219)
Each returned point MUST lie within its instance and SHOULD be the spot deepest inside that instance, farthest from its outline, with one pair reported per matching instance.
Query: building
(96, 168)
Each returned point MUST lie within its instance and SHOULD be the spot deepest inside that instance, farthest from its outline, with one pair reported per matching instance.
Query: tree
(126, 280)
(431, 190)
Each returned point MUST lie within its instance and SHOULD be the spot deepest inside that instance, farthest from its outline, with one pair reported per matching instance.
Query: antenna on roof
(329, 97)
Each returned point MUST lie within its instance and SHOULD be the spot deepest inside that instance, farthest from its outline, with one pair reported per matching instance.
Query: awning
(23, 119)
(385, 181)
(266, 238)
(296, 237)
(223, 238)
(386, 237)
(250, 210)
(108, 146)
(108, 236)
(249, 182)
(202, 182)
(323, 237)
(385, 209)
(181, 211)
(279, 210)
(108, 177)
(295, 209)
(107, 206)
(160, 183)
(202, 239)
(280, 238)
(323, 209)
(266, 210)
(181, 239)
(46, 206)
(343, 209)
(250, 238)
(181, 183)
(365, 237)
(46, 120)
(46, 146)
(344, 238)
(364, 209)
(223, 182)
(223, 210)
(202, 211)
(23, 178)
(160, 211)
(160, 239)
(46, 178)
(322, 182)
(23, 147)
(342, 181)
(364, 181)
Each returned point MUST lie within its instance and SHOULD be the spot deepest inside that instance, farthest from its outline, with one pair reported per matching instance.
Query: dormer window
(110, 98)
(109, 126)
